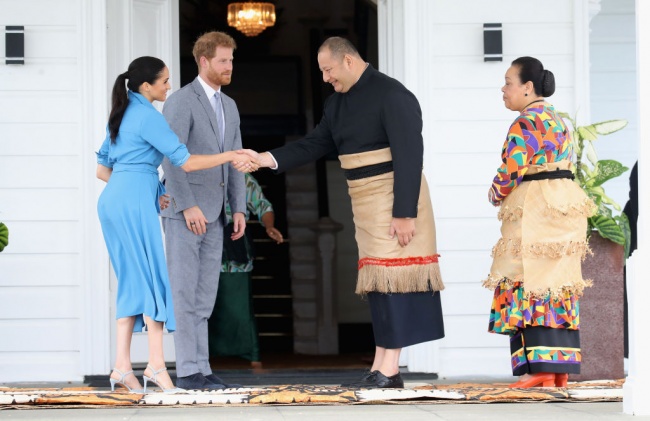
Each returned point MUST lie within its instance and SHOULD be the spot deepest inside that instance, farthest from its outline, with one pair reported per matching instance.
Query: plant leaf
(566, 116)
(587, 132)
(602, 209)
(591, 153)
(585, 168)
(624, 223)
(609, 127)
(608, 169)
(577, 147)
(608, 228)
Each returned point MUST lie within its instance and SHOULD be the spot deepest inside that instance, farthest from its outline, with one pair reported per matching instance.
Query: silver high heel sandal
(154, 380)
(122, 383)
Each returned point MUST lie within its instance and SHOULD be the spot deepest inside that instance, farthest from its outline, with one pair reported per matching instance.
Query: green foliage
(591, 173)
(4, 236)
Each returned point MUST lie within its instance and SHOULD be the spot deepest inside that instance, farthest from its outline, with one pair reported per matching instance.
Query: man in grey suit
(207, 121)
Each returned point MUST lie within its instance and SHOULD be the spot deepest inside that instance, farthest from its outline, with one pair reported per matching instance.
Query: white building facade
(55, 285)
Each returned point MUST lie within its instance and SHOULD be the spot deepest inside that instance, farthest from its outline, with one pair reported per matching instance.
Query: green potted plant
(4, 236)
(592, 173)
(601, 306)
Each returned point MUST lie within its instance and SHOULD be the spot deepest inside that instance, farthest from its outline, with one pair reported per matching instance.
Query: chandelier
(251, 18)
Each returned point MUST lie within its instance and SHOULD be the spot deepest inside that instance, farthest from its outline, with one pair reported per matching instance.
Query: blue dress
(128, 211)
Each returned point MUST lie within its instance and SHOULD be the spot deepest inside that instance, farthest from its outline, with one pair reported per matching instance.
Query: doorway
(279, 93)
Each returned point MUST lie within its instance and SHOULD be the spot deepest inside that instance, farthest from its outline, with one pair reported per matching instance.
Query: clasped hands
(247, 160)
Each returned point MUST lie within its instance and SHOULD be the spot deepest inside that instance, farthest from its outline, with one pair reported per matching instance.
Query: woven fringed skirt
(402, 283)
(536, 273)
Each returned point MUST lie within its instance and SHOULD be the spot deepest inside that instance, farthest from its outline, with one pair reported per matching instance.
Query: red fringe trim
(405, 261)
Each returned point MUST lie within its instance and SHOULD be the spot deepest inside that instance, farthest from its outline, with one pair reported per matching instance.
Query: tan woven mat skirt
(385, 266)
(543, 235)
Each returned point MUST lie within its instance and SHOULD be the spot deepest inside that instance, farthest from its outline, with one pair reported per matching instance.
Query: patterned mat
(606, 390)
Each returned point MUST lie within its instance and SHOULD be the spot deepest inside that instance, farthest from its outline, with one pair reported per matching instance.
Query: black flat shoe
(392, 382)
(217, 380)
(367, 380)
(197, 381)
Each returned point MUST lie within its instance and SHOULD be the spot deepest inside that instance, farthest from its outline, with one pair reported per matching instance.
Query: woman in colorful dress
(137, 139)
(536, 271)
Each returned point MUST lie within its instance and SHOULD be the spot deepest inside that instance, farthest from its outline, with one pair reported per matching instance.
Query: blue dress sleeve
(157, 132)
(102, 155)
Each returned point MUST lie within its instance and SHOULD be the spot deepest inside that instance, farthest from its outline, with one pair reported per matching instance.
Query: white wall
(440, 58)
(613, 86)
(43, 182)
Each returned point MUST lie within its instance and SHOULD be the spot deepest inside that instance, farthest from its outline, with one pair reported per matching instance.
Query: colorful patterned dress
(536, 273)
(232, 327)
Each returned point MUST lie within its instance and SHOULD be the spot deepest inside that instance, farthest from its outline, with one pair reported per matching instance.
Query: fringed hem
(576, 288)
(412, 274)
(508, 214)
(585, 209)
(540, 249)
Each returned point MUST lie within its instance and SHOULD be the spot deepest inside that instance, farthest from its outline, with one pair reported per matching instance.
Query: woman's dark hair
(141, 70)
(532, 70)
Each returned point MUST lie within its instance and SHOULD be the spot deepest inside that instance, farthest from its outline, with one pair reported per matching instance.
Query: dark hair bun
(548, 83)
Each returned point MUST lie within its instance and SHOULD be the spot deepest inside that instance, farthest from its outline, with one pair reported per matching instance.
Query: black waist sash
(549, 175)
(369, 170)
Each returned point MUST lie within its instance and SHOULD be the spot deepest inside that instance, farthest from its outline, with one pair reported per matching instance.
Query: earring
(526, 94)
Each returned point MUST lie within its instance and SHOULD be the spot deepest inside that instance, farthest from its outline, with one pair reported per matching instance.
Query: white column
(583, 13)
(94, 336)
(637, 384)
(400, 23)
(391, 37)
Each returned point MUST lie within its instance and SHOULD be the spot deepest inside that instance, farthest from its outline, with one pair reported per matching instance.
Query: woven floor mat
(595, 391)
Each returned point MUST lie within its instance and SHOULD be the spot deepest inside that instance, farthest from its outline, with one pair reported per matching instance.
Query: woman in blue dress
(137, 139)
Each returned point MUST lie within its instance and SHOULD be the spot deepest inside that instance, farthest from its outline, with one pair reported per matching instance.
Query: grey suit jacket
(190, 114)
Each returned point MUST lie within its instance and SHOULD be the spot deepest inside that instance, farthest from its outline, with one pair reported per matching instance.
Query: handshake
(247, 160)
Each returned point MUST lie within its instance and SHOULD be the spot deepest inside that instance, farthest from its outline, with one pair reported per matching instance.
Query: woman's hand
(245, 160)
(163, 201)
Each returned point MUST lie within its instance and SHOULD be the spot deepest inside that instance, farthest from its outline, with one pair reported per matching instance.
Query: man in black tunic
(375, 125)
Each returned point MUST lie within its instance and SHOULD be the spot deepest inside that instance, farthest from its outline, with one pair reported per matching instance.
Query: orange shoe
(536, 380)
(561, 379)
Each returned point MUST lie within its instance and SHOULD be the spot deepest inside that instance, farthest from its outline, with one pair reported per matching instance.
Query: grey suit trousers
(194, 263)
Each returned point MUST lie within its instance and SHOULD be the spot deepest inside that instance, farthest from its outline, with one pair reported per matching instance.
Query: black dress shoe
(217, 380)
(367, 380)
(197, 381)
(392, 382)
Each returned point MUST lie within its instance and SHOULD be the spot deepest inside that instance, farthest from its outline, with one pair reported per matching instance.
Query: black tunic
(377, 112)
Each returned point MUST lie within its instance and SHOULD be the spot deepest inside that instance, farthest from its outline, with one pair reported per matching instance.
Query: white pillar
(94, 336)
(637, 384)
(401, 22)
